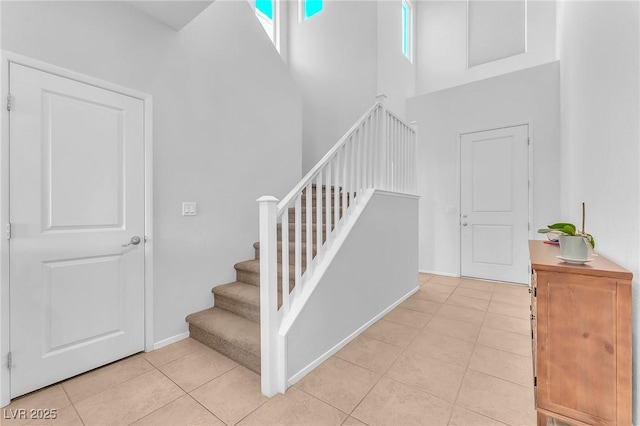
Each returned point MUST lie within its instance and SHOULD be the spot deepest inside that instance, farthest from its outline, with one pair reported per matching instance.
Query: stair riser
(246, 358)
(254, 279)
(291, 254)
(246, 310)
(314, 201)
(314, 215)
(292, 236)
(314, 189)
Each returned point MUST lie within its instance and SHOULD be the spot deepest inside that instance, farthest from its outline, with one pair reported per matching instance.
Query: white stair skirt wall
(378, 152)
(373, 270)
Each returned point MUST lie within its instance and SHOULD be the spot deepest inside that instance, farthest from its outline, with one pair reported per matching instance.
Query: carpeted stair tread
(253, 266)
(232, 325)
(292, 252)
(249, 272)
(240, 298)
(232, 335)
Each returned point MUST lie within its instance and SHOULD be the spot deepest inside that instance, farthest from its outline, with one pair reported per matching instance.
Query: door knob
(135, 240)
(464, 223)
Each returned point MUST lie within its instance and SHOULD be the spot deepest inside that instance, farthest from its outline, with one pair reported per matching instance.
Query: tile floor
(457, 352)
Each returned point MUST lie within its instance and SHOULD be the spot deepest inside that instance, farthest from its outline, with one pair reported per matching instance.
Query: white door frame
(528, 123)
(5, 330)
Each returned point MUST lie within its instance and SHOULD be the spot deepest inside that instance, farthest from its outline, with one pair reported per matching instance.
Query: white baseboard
(322, 358)
(446, 274)
(170, 340)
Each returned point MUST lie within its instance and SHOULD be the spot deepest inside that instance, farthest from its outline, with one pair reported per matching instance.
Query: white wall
(396, 75)
(333, 58)
(442, 44)
(222, 137)
(598, 45)
(374, 269)
(527, 96)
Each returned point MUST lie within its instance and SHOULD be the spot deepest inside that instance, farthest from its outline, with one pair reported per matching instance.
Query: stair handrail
(323, 161)
(378, 152)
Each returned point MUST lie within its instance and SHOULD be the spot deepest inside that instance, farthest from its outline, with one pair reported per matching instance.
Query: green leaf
(591, 240)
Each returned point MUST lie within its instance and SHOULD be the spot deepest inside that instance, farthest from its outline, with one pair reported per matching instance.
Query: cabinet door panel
(577, 358)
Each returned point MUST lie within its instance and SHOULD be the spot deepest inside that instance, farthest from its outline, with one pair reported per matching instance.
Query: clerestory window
(310, 8)
(407, 29)
(266, 11)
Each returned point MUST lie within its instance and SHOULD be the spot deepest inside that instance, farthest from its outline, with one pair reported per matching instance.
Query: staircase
(300, 235)
(232, 325)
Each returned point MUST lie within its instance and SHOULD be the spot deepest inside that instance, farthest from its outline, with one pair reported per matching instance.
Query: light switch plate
(189, 208)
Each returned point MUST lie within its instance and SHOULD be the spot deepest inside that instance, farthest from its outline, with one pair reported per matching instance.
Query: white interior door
(494, 204)
(77, 195)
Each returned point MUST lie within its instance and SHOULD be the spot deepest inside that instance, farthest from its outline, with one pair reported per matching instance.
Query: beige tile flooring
(457, 352)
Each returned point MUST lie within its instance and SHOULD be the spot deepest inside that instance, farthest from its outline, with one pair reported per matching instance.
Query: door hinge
(9, 360)
(528, 140)
(8, 231)
(9, 102)
(535, 381)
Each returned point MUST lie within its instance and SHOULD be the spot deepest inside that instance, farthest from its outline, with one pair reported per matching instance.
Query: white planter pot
(573, 247)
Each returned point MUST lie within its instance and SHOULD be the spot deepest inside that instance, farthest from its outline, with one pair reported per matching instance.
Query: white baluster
(345, 183)
(285, 261)
(405, 159)
(414, 158)
(359, 144)
(373, 140)
(336, 195)
(268, 294)
(381, 144)
(354, 171)
(328, 195)
(297, 229)
(347, 169)
(398, 162)
(392, 162)
(366, 169)
(373, 133)
(309, 242)
(318, 214)
(401, 156)
(388, 160)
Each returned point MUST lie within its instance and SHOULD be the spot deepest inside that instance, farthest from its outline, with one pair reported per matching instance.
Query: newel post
(268, 207)
(414, 156)
(382, 172)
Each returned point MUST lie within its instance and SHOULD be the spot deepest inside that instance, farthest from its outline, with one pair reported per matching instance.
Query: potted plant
(574, 245)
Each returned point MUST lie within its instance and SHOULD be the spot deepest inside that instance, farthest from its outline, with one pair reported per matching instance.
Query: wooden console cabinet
(581, 339)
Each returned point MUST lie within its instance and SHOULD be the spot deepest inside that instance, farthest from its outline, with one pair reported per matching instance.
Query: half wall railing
(378, 152)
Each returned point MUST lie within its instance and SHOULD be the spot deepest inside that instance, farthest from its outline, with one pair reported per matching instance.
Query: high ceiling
(176, 13)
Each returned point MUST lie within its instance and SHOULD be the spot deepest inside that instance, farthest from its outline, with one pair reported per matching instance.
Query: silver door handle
(464, 223)
(134, 241)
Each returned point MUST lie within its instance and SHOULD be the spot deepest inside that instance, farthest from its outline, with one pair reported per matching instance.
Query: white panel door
(77, 195)
(494, 204)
